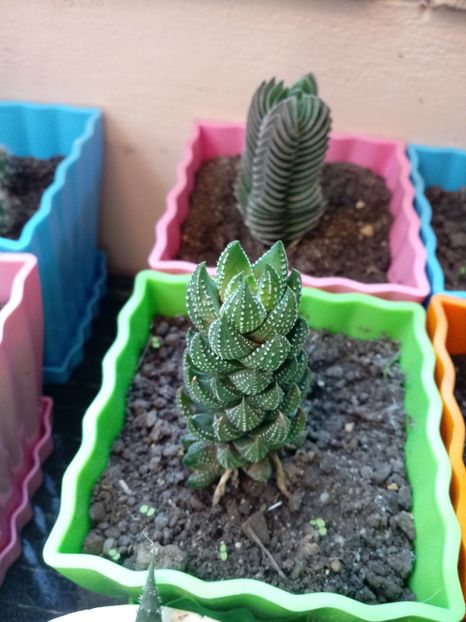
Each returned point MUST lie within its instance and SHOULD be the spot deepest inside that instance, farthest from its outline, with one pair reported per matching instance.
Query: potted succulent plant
(149, 610)
(290, 496)
(439, 178)
(25, 416)
(360, 200)
(50, 179)
(446, 323)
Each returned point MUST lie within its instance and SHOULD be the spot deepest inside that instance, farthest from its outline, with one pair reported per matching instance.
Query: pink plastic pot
(406, 276)
(25, 427)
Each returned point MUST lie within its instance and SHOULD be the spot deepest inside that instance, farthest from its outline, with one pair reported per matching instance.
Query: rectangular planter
(62, 234)
(446, 323)
(25, 426)
(435, 166)
(435, 578)
(406, 276)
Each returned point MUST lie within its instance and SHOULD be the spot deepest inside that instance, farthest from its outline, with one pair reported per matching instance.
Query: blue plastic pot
(435, 166)
(62, 234)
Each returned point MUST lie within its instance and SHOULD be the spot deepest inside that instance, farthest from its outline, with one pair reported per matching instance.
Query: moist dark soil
(30, 177)
(347, 527)
(350, 240)
(448, 218)
(459, 361)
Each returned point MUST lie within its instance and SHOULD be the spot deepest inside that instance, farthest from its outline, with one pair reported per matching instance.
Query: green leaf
(274, 257)
(202, 299)
(200, 426)
(305, 381)
(244, 416)
(260, 471)
(243, 309)
(200, 455)
(224, 430)
(150, 609)
(205, 359)
(298, 335)
(305, 85)
(287, 375)
(200, 391)
(227, 342)
(294, 282)
(228, 458)
(274, 433)
(201, 478)
(270, 355)
(271, 288)
(281, 319)
(268, 399)
(251, 381)
(184, 404)
(224, 391)
(291, 401)
(252, 448)
(232, 261)
(297, 426)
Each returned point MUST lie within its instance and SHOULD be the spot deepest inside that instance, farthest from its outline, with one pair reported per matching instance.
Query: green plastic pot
(435, 577)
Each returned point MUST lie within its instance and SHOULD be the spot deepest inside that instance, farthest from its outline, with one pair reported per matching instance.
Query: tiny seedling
(114, 554)
(147, 510)
(319, 524)
(155, 342)
(223, 552)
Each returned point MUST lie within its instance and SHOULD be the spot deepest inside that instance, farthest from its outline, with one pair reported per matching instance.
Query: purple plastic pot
(25, 416)
(406, 276)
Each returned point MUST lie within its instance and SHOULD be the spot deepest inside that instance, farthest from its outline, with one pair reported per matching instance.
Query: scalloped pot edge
(127, 613)
(407, 278)
(435, 578)
(446, 323)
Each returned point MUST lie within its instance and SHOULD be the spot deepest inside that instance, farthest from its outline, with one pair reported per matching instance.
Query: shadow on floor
(33, 592)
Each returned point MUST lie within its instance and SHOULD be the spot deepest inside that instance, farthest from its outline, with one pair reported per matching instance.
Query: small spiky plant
(245, 371)
(278, 189)
(150, 609)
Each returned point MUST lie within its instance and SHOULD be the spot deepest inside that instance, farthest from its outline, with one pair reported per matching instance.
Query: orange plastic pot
(446, 323)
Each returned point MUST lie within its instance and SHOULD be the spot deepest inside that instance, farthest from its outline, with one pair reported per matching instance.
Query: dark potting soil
(350, 240)
(30, 178)
(347, 527)
(459, 361)
(448, 218)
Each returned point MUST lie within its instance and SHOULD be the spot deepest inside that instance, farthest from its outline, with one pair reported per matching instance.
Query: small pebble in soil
(347, 527)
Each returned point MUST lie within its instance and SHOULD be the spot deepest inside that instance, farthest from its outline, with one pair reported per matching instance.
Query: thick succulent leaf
(232, 262)
(306, 85)
(228, 457)
(204, 358)
(225, 391)
(202, 299)
(268, 356)
(271, 288)
(275, 432)
(243, 309)
(268, 399)
(285, 198)
(244, 416)
(202, 394)
(274, 257)
(233, 285)
(264, 99)
(297, 426)
(200, 426)
(201, 478)
(305, 381)
(187, 440)
(184, 404)
(224, 430)
(252, 448)
(287, 374)
(281, 319)
(200, 455)
(260, 471)
(294, 282)
(251, 381)
(298, 335)
(226, 342)
(291, 401)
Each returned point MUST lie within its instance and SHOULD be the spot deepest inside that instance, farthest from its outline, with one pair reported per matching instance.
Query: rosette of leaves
(245, 370)
(278, 189)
